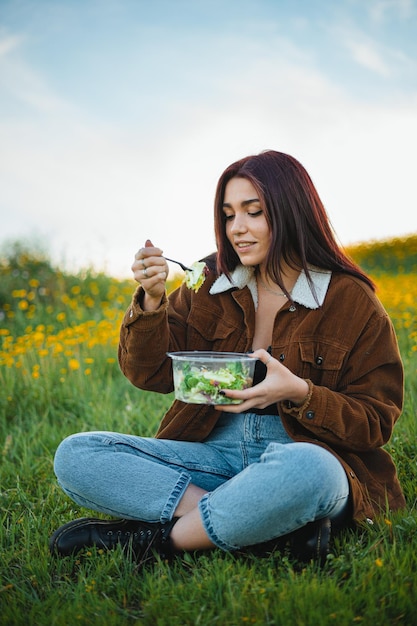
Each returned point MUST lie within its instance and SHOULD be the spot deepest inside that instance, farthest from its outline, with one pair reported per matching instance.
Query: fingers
(149, 267)
(147, 273)
(149, 251)
(261, 395)
(263, 356)
(249, 398)
(246, 403)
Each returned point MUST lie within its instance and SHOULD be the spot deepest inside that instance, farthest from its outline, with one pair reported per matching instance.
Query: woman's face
(246, 225)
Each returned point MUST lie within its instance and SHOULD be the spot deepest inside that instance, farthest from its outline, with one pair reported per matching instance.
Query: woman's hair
(301, 233)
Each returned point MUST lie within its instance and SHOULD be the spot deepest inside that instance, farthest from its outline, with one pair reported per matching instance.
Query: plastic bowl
(200, 376)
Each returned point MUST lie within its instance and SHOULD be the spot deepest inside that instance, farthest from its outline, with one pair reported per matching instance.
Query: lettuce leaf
(195, 276)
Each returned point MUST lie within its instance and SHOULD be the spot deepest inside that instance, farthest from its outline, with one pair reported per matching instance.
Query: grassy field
(59, 375)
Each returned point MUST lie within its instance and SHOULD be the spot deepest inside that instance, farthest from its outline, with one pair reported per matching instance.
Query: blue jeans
(260, 483)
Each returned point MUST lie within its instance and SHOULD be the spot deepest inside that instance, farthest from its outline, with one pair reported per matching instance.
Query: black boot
(309, 543)
(144, 539)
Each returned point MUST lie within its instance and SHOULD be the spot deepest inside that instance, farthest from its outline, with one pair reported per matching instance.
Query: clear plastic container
(200, 376)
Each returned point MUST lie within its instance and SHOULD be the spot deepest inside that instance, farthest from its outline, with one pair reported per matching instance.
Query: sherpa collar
(244, 276)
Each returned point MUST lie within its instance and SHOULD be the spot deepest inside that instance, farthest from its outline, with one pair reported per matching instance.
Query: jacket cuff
(301, 411)
(135, 310)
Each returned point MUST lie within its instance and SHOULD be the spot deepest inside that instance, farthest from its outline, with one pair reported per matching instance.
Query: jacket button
(282, 357)
(319, 360)
(310, 415)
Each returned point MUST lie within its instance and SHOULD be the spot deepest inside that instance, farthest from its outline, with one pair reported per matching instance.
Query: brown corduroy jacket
(346, 346)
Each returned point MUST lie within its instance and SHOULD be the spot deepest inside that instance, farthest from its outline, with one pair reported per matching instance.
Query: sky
(117, 117)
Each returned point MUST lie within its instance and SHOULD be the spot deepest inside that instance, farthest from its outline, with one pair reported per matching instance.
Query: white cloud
(381, 10)
(366, 54)
(8, 43)
(97, 191)
(20, 81)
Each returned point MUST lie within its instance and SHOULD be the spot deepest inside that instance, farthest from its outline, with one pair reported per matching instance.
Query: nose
(238, 225)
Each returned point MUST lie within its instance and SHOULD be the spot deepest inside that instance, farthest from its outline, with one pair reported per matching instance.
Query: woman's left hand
(279, 384)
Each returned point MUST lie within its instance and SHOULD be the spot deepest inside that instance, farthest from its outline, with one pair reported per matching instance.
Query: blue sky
(117, 117)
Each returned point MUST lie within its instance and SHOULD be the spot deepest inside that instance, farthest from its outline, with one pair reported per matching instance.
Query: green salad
(196, 275)
(201, 385)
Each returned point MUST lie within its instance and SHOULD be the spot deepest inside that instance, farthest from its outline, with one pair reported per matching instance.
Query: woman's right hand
(150, 269)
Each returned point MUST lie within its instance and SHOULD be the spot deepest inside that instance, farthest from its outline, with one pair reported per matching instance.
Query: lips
(241, 245)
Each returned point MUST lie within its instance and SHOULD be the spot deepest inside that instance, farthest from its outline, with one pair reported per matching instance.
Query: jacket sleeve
(359, 414)
(147, 336)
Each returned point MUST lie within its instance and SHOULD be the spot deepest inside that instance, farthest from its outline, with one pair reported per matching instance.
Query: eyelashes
(228, 218)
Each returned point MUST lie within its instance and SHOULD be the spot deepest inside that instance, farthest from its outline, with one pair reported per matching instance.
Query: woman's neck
(289, 278)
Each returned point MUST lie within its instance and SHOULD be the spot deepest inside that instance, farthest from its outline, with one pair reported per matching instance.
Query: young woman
(305, 446)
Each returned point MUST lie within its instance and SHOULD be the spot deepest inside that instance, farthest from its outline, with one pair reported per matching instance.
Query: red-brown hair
(301, 233)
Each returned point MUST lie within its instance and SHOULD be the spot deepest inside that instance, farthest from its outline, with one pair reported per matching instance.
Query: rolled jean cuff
(204, 506)
(174, 497)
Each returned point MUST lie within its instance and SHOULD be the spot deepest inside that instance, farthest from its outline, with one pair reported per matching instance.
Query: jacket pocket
(321, 362)
(207, 330)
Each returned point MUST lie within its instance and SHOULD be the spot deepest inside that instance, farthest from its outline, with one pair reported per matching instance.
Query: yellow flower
(88, 301)
(379, 562)
(19, 293)
(74, 364)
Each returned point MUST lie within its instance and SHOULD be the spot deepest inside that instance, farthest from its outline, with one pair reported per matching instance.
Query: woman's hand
(279, 384)
(150, 269)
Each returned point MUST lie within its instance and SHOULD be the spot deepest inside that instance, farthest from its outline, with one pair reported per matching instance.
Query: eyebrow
(244, 203)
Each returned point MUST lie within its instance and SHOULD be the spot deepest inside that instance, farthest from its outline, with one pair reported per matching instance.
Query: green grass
(369, 577)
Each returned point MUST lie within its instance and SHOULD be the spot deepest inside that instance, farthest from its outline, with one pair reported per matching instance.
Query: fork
(182, 266)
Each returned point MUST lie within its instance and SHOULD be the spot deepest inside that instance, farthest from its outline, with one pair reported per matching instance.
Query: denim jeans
(260, 483)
